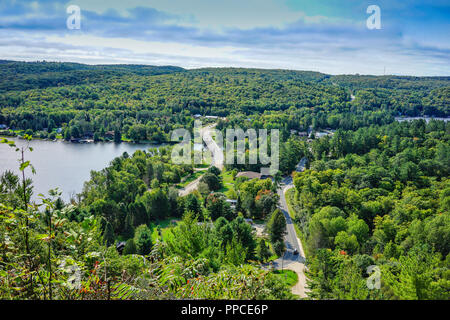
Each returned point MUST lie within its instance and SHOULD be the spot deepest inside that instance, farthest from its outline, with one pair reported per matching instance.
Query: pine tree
(128, 231)
(108, 235)
(263, 251)
(117, 136)
(143, 240)
(130, 247)
(276, 226)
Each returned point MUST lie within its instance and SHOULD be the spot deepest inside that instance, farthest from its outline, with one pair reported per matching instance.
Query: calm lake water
(63, 164)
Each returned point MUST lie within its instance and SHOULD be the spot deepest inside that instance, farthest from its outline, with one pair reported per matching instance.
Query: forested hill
(147, 102)
(15, 75)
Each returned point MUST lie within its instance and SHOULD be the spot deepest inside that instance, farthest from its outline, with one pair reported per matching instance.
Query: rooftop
(249, 174)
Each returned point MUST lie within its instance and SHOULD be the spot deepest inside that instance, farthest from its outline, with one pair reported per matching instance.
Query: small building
(301, 166)
(249, 221)
(120, 246)
(3, 127)
(196, 116)
(249, 174)
(232, 203)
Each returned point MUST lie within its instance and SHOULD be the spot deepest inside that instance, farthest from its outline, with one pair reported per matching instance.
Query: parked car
(295, 252)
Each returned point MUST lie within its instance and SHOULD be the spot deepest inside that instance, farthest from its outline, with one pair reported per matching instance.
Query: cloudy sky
(329, 36)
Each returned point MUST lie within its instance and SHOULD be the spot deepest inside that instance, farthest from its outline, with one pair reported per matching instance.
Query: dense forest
(144, 103)
(375, 192)
(378, 197)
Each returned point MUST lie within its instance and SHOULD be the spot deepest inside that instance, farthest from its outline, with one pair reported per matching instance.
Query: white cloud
(213, 14)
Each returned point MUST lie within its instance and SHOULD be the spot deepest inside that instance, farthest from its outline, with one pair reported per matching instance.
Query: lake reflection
(63, 164)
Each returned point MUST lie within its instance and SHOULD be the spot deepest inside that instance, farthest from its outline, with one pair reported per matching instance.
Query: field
(289, 276)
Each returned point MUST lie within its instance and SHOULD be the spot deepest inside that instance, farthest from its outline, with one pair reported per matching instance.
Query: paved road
(289, 260)
(190, 187)
(217, 154)
(216, 151)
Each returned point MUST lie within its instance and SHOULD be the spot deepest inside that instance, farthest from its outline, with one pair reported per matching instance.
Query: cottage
(120, 246)
(109, 134)
(301, 165)
(232, 203)
(249, 221)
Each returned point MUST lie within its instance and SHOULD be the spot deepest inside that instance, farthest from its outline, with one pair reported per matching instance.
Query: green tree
(214, 183)
(346, 242)
(109, 234)
(130, 247)
(276, 226)
(218, 207)
(143, 240)
(279, 247)
(117, 136)
(262, 251)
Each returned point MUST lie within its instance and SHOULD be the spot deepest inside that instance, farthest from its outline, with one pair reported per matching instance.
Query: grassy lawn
(165, 226)
(228, 184)
(289, 276)
(259, 221)
(202, 166)
(289, 200)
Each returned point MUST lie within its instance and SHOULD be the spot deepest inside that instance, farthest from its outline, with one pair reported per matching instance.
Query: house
(120, 246)
(196, 116)
(249, 174)
(301, 165)
(109, 134)
(249, 221)
(3, 127)
(232, 203)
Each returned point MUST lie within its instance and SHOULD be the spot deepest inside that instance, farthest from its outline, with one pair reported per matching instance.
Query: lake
(63, 164)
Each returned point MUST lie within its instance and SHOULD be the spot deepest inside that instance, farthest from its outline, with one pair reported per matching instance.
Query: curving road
(289, 260)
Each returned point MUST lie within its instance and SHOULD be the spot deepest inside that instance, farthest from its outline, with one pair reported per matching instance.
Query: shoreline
(91, 141)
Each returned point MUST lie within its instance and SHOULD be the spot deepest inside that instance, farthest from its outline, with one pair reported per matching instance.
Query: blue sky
(329, 36)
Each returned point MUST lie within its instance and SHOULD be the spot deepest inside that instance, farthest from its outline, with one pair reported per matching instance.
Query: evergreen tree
(262, 251)
(130, 247)
(117, 136)
(279, 247)
(108, 235)
(143, 240)
(67, 134)
(276, 226)
(128, 231)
